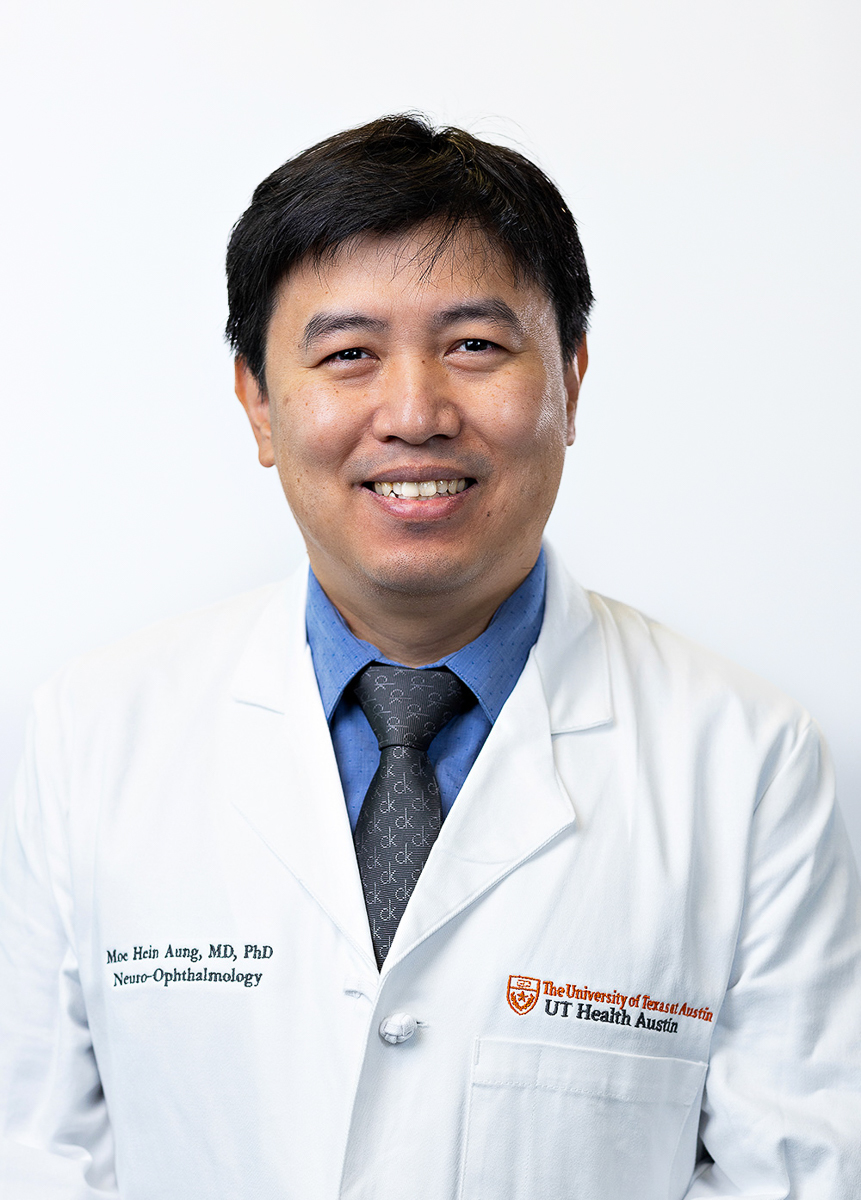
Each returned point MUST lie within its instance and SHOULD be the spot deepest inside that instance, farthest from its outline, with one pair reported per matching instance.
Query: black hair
(386, 178)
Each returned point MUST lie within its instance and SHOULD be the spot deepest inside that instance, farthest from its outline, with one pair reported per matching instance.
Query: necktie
(400, 816)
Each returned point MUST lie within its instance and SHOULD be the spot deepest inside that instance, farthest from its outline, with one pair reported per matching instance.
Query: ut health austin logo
(523, 993)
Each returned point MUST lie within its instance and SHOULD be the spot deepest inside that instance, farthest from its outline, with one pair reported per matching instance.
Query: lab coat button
(399, 1027)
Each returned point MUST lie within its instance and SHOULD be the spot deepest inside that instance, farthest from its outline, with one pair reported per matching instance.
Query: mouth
(418, 490)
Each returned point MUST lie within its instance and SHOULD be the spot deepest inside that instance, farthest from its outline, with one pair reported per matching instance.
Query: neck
(419, 629)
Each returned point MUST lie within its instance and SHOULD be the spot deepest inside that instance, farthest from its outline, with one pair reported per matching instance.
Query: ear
(572, 379)
(255, 401)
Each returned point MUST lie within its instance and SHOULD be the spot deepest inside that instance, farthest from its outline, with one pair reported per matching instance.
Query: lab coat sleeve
(781, 1113)
(57, 1142)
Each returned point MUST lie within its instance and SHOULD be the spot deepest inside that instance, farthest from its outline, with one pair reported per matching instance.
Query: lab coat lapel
(285, 779)
(511, 805)
(513, 802)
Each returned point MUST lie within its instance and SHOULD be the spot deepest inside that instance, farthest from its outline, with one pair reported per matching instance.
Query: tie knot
(408, 706)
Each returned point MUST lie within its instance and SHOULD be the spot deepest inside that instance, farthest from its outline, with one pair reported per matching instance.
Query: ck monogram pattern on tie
(401, 814)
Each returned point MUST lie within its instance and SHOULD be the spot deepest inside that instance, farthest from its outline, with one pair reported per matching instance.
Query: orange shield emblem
(523, 993)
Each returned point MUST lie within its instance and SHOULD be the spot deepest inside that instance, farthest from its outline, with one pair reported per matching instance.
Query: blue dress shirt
(490, 667)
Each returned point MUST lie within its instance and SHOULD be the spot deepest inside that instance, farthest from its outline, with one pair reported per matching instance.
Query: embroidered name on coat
(172, 972)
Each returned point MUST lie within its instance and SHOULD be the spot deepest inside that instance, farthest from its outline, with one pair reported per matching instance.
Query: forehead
(420, 271)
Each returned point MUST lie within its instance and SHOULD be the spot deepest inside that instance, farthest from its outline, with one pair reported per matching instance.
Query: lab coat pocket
(574, 1123)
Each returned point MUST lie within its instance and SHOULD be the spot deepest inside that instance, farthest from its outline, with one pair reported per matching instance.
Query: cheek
(311, 432)
(530, 429)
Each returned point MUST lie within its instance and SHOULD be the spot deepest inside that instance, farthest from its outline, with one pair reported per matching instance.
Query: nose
(415, 403)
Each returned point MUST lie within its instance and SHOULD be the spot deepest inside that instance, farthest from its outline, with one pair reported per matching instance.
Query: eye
(476, 345)
(350, 355)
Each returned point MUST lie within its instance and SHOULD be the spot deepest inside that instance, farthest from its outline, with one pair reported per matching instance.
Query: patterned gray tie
(401, 816)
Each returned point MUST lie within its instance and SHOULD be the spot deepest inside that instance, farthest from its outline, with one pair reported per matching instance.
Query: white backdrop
(711, 154)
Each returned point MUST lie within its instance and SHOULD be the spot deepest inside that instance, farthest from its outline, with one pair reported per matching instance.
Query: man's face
(382, 370)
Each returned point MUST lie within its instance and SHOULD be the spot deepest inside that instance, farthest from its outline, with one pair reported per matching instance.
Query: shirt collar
(490, 665)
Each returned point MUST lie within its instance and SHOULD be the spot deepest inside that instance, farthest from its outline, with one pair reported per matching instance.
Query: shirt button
(399, 1027)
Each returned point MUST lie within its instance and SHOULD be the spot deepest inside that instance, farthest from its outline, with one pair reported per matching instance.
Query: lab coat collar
(276, 644)
(570, 653)
(291, 791)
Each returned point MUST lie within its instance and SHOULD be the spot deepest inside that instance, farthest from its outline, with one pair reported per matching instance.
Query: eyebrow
(323, 324)
(495, 311)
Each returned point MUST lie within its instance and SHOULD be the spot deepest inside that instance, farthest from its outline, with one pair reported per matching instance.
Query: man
(427, 874)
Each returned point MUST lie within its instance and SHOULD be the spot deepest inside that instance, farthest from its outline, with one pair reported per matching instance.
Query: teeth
(423, 491)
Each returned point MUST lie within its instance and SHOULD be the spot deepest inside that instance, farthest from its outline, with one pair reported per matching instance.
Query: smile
(424, 490)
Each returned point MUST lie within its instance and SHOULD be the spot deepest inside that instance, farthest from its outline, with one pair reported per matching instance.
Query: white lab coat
(646, 825)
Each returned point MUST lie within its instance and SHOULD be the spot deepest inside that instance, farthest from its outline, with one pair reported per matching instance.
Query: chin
(421, 573)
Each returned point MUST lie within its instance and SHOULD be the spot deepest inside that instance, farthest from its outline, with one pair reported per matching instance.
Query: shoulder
(194, 652)
(651, 655)
(653, 677)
